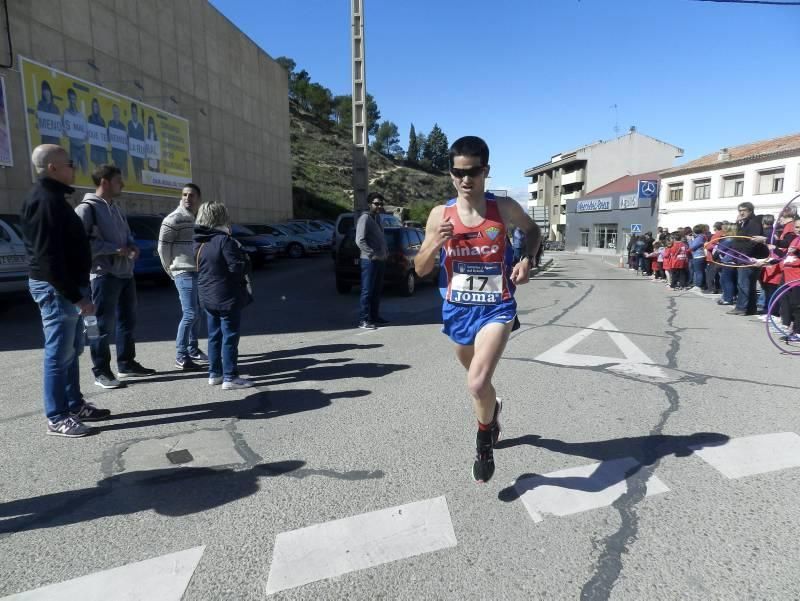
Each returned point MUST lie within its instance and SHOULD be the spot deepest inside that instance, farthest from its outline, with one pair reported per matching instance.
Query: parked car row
(403, 244)
(262, 242)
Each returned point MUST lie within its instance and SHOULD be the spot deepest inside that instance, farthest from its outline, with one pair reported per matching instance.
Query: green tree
(343, 113)
(387, 139)
(319, 100)
(436, 149)
(412, 156)
(287, 63)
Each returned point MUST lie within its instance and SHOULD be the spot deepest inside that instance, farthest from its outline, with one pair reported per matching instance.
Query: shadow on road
(172, 492)
(644, 450)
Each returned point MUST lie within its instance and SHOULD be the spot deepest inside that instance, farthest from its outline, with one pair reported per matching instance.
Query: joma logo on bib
(472, 251)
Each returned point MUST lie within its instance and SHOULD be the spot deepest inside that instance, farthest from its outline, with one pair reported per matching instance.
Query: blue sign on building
(648, 188)
(636, 228)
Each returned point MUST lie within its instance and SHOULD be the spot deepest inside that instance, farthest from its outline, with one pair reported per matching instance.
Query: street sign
(636, 228)
(648, 188)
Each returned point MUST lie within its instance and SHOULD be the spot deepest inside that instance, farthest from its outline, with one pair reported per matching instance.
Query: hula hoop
(779, 294)
(734, 254)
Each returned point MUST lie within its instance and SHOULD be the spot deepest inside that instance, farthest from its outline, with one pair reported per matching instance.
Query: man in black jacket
(746, 277)
(60, 259)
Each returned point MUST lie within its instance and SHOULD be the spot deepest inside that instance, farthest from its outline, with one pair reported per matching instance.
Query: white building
(569, 175)
(709, 189)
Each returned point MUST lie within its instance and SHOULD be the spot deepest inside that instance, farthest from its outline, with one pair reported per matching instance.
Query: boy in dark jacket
(221, 269)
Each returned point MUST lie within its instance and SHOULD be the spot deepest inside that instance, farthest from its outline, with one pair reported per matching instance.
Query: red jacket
(791, 262)
(773, 274)
(676, 256)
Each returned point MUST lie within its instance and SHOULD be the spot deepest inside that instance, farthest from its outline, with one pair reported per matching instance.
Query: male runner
(468, 235)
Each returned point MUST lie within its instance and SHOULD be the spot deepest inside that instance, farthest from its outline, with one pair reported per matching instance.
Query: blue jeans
(189, 327)
(699, 272)
(746, 278)
(727, 280)
(371, 288)
(63, 343)
(223, 343)
(115, 307)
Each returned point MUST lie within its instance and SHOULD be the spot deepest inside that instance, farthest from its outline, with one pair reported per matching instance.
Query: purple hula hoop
(778, 217)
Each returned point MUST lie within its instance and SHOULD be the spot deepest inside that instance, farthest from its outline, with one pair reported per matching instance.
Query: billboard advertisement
(6, 159)
(96, 125)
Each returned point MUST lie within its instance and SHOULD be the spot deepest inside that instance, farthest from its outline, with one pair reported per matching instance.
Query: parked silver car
(13, 259)
(293, 242)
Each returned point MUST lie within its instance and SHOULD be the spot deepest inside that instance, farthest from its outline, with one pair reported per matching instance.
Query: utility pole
(360, 126)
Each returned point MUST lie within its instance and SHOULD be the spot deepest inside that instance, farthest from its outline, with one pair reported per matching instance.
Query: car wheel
(295, 250)
(410, 284)
(342, 287)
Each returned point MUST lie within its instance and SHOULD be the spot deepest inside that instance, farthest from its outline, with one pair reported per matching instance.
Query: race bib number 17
(476, 283)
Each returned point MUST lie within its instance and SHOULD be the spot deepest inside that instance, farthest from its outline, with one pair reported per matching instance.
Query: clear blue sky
(535, 77)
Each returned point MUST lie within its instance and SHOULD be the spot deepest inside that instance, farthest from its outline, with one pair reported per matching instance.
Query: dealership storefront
(604, 224)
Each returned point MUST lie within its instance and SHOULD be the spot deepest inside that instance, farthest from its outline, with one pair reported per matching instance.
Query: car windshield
(297, 228)
(144, 228)
(240, 230)
(13, 222)
(284, 230)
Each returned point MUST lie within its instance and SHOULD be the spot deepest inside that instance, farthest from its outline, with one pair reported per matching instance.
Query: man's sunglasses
(471, 172)
(377, 204)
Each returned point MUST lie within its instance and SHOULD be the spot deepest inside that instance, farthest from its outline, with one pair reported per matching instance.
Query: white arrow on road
(163, 578)
(635, 361)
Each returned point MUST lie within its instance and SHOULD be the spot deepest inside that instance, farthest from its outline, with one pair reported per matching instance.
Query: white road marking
(162, 578)
(362, 541)
(752, 455)
(635, 361)
(579, 489)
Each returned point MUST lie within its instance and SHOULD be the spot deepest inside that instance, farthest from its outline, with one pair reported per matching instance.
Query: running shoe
(483, 468)
(91, 413)
(69, 427)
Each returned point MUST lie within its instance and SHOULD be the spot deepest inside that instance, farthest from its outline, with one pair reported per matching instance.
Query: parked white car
(13, 260)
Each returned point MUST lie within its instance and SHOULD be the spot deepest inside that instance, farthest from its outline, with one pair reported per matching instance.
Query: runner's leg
(489, 345)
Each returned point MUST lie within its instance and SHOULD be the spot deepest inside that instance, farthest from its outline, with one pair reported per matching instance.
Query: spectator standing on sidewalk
(60, 258)
(746, 277)
(697, 248)
(712, 269)
(113, 287)
(518, 243)
(372, 243)
(221, 269)
(175, 247)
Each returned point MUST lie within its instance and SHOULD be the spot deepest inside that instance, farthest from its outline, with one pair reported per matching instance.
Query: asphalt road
(650, 451)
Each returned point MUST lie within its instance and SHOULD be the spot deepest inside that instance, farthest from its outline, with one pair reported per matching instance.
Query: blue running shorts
(463, 322)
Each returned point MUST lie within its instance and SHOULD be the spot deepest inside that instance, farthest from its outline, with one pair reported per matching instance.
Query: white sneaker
(215, 381)
(236, 384)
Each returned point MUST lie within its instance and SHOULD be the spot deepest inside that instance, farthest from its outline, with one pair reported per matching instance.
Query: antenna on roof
(616, 119)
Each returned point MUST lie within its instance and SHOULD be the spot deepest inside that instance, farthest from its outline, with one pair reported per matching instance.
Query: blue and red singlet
(475, 276)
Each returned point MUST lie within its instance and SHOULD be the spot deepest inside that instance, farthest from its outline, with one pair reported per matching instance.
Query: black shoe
(367, 325)
(90, 413)
(135, 370)
(496, 428)
(380, 321)
(483, 468)
(722, 302)
(107, 380)
(735, 312)
(187, 364)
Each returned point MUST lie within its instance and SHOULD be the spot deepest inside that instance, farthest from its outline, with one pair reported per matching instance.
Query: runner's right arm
(437, 232)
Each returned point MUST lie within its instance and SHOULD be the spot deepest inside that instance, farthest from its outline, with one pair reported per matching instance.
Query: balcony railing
(575, 177)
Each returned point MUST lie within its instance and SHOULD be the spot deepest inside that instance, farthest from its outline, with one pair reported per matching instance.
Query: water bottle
(92, 331)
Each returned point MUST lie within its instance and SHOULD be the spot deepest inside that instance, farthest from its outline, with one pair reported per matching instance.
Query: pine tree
(436, 149)
(413, 149)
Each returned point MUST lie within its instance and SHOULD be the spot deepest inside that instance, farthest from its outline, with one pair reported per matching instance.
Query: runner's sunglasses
(471, 172)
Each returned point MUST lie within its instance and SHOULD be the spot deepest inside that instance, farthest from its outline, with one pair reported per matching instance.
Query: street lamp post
(360, 127)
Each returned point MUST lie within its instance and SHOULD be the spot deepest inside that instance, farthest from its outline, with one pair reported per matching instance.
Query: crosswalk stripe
(362, 541)
(579, 489)
(163, 578)
(752, 455)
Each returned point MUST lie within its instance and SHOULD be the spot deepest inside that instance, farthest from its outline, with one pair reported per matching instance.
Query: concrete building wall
(233, 94)
(689, 212)
(631, 153)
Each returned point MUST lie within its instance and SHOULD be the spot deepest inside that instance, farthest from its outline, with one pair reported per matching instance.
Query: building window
(605, 235)
(584, 238)
(556, 191)
(702, 189)
(675, 192)
(733, 185)
(770, 182)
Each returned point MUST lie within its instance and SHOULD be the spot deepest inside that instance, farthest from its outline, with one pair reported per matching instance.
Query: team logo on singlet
(492, 232)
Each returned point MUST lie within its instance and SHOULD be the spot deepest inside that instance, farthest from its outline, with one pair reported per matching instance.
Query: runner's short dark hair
(105, 172)
(194, 187)
(470, 146)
